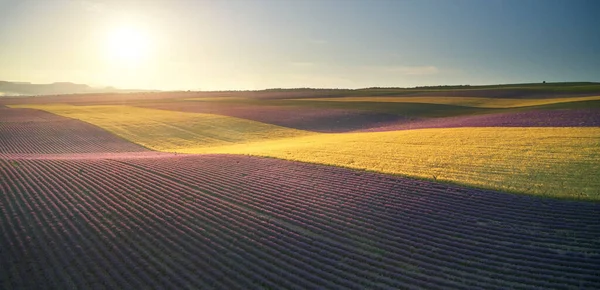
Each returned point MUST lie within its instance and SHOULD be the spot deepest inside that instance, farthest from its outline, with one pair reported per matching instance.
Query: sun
(128, 46)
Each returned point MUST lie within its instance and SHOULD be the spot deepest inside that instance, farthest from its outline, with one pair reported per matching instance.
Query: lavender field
(234, 222)
(83, 208)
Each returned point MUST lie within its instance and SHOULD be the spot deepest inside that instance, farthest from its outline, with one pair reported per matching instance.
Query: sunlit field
(257, 190)
(558, 162)
(172, 131)
(547, 161)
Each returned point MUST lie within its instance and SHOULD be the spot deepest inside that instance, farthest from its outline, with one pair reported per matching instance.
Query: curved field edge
(228, 222)
(557, 162)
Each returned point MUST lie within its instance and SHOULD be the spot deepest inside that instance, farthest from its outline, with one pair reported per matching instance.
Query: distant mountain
(58, 88)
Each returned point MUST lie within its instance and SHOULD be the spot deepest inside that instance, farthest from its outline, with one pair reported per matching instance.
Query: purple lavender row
(222, 192)
(149, 205)
(355, 213)
(100, 206)
(92, 253)
(239, 215)
(166, 224)
(255, 169)
(28, 131)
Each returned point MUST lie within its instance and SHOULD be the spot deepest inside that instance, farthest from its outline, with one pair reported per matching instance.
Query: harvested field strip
(229, 222)
(27, 131)
(168, 131)
(461, 101)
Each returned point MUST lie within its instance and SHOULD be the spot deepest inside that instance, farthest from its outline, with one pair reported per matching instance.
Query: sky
(258, 44)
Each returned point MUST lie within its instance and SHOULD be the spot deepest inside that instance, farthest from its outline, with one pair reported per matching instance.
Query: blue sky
(252, 44)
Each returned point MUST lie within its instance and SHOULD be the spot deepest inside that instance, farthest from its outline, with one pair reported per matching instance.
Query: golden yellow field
(497, 103)
(562, 162)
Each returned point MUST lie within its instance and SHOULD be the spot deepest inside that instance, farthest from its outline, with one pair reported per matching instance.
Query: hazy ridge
(28, 89)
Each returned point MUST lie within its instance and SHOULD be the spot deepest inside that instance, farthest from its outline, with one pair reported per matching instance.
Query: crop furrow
(89, 219)
(443, 198)
(205, 205)
(12, 244)
(62, 210)
(144, 207)
(290, 174)
(109, 215)
(35, 230)
(231, 222)
(340, 245)
(435, 228)
(349, 192)
(475, 229)
(519, 258)
(59, 219)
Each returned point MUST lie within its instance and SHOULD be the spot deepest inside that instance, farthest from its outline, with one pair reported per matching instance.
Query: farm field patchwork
(232, 192)
(560, 162)
(233, 222)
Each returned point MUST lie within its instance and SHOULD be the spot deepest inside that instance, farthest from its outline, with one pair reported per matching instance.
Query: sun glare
(128, 46)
